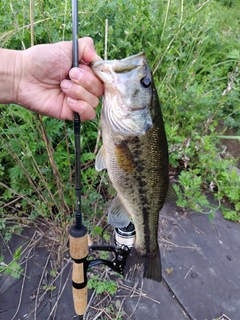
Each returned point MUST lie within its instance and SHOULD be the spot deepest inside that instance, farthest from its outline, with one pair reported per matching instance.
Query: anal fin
(117, 214)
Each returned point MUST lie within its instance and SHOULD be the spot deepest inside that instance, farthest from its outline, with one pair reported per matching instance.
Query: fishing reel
(124, 240)
(79, 250)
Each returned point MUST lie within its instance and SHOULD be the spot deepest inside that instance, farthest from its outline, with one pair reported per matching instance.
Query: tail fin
(153, 267)
(149, 267)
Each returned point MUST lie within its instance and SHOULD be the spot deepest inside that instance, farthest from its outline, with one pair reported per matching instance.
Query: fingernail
(71, 100)
(66, 84)
(75, 73)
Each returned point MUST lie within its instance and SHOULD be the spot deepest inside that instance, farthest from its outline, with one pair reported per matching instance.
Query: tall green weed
(192, 50)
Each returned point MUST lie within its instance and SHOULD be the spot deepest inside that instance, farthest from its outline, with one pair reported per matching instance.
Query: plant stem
(50, 151)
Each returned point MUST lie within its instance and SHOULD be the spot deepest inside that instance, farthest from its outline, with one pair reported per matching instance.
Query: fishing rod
(78, 234)
(78, 240)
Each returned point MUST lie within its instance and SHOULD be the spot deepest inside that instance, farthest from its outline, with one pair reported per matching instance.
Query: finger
(86, 67)
(78, 92)
(86, 79)
(87, 51)
(85, 110)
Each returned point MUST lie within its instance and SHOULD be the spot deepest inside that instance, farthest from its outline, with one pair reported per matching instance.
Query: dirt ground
(201, 276)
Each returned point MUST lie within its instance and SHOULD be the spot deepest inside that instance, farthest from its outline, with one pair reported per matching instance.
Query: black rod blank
(77, 121)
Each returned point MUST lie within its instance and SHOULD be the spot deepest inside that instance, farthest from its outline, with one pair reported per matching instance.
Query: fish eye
(146, 82)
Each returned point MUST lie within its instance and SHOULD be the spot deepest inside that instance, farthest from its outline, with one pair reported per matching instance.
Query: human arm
(37, 78)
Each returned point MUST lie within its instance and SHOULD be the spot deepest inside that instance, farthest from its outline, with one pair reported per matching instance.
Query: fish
(135, 154)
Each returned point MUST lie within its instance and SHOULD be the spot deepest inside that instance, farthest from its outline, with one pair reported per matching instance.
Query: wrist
(10, 75)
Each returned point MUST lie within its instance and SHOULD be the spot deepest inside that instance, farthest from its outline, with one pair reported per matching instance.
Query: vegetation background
(193, 49)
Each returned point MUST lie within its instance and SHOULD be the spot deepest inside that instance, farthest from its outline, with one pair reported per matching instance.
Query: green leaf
(17, 253)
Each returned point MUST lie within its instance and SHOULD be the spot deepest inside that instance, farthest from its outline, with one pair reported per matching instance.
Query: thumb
(87, 51)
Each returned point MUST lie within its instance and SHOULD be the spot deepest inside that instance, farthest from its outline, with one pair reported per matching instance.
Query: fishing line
(63, 33)
(64, 19)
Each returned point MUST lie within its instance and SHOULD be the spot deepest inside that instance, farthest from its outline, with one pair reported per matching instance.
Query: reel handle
(79, 252)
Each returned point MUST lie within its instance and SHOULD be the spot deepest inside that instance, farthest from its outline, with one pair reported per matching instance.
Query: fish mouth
(105, 69)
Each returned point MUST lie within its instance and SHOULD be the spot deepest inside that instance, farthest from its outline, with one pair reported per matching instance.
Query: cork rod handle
(79, 253)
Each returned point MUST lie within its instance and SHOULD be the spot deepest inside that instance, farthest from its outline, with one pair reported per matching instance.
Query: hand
(44, 86)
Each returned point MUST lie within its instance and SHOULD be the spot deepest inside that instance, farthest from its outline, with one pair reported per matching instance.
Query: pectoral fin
(171, 194)
(100, 162)
(117, 214)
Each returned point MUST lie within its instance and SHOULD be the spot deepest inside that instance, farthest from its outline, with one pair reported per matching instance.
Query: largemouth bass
(135, 154)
